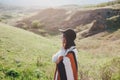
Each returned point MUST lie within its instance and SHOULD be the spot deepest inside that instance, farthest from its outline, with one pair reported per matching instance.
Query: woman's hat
(70, 33)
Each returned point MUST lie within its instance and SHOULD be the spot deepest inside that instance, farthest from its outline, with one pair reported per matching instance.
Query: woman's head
(69, 36)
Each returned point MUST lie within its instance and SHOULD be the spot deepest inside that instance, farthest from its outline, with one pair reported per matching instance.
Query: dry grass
(95, 53)
(103, 43)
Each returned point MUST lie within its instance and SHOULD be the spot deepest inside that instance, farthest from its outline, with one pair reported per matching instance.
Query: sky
(51, 3)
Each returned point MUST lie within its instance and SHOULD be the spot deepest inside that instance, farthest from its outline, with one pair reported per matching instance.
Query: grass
(94, 66)
(110, 3)
(97, 54)
(27, 56)
(22, 51)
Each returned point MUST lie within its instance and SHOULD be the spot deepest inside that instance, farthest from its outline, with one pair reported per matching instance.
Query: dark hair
(69, 42)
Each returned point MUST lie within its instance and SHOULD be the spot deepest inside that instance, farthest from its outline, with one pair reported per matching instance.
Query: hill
(9, 14)
(24, 55)
(50, 20)
(27, 56)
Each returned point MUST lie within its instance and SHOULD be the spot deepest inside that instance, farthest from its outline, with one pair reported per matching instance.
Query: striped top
(67, 67)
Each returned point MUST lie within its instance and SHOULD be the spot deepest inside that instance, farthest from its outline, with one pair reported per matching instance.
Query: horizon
(51, 3)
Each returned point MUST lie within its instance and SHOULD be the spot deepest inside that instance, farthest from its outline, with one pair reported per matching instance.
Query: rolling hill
(27, 56)
(24, 53)
(48, 21)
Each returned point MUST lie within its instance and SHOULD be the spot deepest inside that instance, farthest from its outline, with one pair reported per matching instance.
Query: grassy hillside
(111, 3)
(41, 23)
(24, 55)
(27, 56)
(99, 56)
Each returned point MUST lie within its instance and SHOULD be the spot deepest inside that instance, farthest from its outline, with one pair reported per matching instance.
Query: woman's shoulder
(72, 53)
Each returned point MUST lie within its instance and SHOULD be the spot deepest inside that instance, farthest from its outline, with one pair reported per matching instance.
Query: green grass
(23, 51)
(27, 56)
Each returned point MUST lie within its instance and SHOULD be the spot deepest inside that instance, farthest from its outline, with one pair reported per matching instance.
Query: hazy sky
(51, 2)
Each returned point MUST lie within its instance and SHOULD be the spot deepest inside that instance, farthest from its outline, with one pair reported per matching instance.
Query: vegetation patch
(111, 70)
(113, 23)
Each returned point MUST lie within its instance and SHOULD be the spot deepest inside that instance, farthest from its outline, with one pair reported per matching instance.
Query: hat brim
(61, 30)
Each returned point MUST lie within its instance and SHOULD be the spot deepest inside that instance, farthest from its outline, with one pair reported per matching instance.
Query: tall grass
(24, 55)
(27, 56)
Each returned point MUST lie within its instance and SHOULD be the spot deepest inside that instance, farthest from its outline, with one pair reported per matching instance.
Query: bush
(12, 73)
(36, 24)
(113, 23)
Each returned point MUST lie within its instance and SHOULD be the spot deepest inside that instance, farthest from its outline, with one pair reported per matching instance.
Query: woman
(66, 58)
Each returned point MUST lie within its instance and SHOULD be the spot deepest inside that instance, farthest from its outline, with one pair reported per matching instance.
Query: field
(24, 55)
(99, 57)
(27, 56)
(29, 38)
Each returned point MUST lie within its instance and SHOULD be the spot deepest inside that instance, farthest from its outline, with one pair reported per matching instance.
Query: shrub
(12, 73)
(37, 24)
(113, 23)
